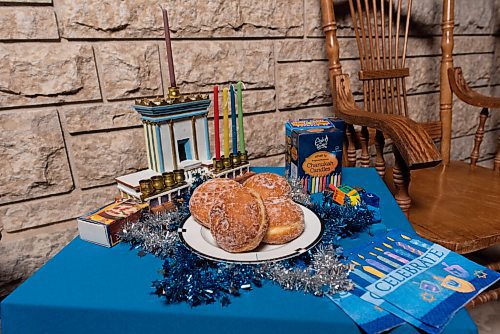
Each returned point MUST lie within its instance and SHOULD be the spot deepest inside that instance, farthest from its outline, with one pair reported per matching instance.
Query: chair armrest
(412, 141)
(468, 95)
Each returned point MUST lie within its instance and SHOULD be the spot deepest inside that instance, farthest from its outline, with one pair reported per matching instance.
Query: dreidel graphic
(455, 284)
(456, 270)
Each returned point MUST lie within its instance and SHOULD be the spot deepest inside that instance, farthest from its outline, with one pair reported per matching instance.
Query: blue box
(314, 152)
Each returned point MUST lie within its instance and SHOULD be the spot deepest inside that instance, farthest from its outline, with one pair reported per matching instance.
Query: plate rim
(318, 238)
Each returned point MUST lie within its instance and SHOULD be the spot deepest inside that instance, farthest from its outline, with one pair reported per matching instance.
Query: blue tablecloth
(91, 289)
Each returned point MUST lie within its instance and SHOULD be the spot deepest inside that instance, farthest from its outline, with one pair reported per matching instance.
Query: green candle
(240, 118)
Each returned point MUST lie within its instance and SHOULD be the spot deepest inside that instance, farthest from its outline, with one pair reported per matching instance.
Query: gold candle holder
(179, 176)
(218, 165)
(169, 180)
(243, 157)
(227, 162)
(158, 184)
(174, 93)
(235, 159)
(146, 188)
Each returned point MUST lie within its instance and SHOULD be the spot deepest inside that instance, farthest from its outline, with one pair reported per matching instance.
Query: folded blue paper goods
(416, 280)
(370, 317)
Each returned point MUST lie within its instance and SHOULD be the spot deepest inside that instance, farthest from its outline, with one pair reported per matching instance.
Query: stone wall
(70, 69)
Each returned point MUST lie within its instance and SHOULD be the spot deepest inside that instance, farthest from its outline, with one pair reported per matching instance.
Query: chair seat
(455, 206)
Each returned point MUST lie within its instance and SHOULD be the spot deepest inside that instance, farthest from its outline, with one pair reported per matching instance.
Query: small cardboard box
(314, 152)
(103, 226)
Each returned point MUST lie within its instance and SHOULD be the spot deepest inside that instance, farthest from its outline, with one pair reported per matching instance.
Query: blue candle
(233, 120)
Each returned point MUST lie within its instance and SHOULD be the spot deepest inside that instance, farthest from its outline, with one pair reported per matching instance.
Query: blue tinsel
(196, 281)
(341, 221)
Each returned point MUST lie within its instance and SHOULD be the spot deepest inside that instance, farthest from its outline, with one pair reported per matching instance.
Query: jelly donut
(268, 185)
(238, 220)
(286, 220)
(206, 195)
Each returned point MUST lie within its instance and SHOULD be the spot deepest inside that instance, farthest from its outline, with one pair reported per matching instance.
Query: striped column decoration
(172, 144)
(155, 147)
(195, 139)
(148, 148)
(159, 148)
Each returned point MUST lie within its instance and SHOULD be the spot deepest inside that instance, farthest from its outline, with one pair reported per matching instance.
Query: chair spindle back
(378, 27)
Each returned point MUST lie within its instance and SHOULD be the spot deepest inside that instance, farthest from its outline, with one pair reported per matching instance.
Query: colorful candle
(240, 118)
(378, 265)
(373, 271)
(404, 253)
(416, 242)
(168, 44)
(364, 276)
(386, 261)
(216, 123)
(409, 248)
(396, 257)
(225, 111)
(233, 120)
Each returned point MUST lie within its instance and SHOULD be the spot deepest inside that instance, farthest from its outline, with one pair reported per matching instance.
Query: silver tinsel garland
(192, 279)
(298, 194)
(153, 235)
(324, 275)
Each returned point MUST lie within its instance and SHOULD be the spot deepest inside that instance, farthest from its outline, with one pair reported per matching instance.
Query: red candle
(216, 123)
(168, 43)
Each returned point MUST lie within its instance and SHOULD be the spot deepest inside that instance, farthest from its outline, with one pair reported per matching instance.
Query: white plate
(200, 241)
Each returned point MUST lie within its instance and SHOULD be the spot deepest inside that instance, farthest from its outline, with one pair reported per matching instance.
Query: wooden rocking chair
(454, 204)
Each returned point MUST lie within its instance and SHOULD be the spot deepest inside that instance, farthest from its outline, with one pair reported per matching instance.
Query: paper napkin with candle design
(424, 280)
(372, 318)
(371, 298)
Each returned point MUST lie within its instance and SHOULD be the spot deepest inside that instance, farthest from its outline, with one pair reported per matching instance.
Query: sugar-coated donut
(238, 220)
(269, 185)
(286, 220)
(206, 195)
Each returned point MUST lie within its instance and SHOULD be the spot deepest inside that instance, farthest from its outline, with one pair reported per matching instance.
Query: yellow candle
(225, 111)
